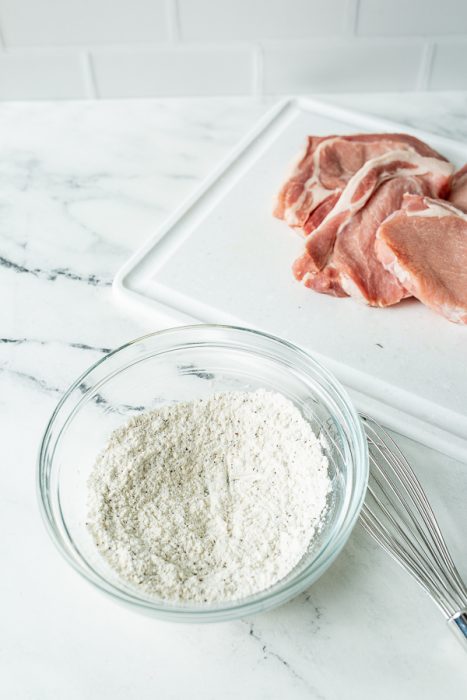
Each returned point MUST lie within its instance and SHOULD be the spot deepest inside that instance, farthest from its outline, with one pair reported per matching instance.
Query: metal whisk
(398, 516)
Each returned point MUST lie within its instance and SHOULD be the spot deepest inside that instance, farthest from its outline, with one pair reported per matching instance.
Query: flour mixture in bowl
(209, 500)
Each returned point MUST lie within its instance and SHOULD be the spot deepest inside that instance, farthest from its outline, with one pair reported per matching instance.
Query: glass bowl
(184, 364)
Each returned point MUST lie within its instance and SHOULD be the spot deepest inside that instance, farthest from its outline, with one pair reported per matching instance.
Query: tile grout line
(173, 21)
(426, 65)
(217, 44)
(90, 84)
(353, 9)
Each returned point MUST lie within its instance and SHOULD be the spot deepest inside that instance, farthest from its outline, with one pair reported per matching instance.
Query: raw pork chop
(458, 195)
(436, 174)
(323, 170)
(425, 246)
(354, 268)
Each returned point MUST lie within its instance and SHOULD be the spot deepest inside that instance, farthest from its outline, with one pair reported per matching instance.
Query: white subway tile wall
(141, 48)
(48, 75)
(230, 20)
(446, 56)
(412, 17)
(173, 71)
(82, 22)
(328, 66)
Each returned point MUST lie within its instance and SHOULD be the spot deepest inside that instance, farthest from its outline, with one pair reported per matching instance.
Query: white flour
(209, 500)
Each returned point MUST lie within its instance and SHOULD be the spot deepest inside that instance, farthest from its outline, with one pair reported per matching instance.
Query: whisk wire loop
(401, 524)
(398, 515)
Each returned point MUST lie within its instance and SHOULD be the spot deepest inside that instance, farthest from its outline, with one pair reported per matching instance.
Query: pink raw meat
(436, 174)
(354, 269)
(326, 281)
(326, 166)
(424, 245)
(458, 195)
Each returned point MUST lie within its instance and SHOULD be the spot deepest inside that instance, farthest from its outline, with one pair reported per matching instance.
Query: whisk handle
(458, 624)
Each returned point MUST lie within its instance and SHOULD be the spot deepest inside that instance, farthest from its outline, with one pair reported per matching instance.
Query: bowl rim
(232, 609)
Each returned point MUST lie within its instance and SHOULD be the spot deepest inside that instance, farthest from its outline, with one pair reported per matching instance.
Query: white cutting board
(223, 258)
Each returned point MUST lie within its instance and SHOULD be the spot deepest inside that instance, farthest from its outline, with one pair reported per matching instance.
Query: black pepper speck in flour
(209, 500)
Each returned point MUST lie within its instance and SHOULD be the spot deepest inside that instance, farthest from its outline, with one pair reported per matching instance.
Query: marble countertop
(82, 184)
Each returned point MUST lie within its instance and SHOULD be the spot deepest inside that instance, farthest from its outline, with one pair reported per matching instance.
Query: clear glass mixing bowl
(184, 364)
